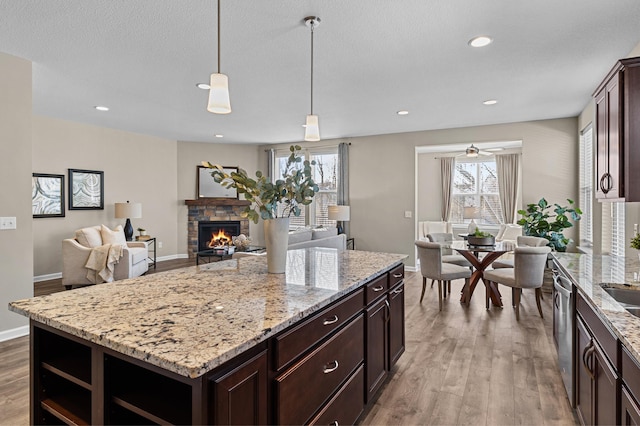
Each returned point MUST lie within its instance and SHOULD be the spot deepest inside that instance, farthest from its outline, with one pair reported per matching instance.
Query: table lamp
(471, 213)
(339, 214)
(126, 211)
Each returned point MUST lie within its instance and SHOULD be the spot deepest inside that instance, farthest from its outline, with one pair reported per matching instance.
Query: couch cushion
(113, 237)
(300, 235)
(89, 237)
(324, 233)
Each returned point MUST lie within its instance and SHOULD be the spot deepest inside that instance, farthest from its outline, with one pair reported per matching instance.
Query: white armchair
(76, 252)
(431, 227)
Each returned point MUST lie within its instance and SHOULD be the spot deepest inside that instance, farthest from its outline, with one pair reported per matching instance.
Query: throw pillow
(89, 237)
(324, 233)
(113, 237)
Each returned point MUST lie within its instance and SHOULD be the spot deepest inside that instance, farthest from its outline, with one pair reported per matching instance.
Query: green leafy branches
(635, 242)
(296, 189)
(548, 221)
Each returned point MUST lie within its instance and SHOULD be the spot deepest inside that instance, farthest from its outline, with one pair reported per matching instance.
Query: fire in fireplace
(216, 233)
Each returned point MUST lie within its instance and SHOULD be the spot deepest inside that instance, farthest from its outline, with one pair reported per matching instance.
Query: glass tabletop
(498, 246)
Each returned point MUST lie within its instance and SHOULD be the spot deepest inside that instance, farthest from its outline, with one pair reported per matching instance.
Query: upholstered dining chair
(432, 267)
(528, 272)
(521, 241)
(444, 239)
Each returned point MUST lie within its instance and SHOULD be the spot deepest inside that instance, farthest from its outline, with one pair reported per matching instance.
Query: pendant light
(312, 129)
(219, 85)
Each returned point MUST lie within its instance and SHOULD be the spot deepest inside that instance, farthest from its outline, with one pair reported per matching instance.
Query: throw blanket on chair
(102, 261)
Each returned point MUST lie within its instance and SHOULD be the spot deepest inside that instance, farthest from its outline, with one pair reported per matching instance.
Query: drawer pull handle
(397, 275)
(328, 370)
(398, 291)
(331, 320)
(379, 288)
(334, 423)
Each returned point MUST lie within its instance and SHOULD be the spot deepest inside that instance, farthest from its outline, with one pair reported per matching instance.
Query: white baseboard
(173, 257)
(411, 268)
(14, 333)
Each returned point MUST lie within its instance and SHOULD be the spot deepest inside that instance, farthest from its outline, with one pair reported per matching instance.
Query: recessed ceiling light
(203, 86)
(480, 41)
(217, 135)
(101, 108)
(490, 102)
(403, 112)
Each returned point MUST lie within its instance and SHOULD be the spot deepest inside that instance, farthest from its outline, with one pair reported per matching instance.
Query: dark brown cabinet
(629, 407)
(597, 380)
(385, 337)
(617, 106)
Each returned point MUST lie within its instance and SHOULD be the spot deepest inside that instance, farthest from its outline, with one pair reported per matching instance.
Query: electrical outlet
(635, 228)
(7, 223)
(159, 244)
(407, 214)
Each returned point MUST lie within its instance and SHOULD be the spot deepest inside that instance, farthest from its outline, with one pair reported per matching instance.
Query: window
(586, 187)
(325, 174)
(475, 184)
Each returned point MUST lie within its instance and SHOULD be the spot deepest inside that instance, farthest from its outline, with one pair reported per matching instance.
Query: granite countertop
(192, 320)
(589, 271)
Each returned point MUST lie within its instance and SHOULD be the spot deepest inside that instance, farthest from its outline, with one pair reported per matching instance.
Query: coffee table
(213, 255)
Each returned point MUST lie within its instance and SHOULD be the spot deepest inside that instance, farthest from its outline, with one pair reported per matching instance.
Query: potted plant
(142, 231)
(481, 238)
(295, 190)
(539, 220)
(635, 243)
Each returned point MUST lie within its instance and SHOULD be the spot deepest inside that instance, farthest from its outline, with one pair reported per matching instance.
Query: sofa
(76, 252)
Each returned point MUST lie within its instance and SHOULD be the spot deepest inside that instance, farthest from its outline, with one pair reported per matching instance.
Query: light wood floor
(464, 365)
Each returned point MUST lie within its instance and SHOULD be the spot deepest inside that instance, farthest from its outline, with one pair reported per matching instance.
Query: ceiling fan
(473, 151)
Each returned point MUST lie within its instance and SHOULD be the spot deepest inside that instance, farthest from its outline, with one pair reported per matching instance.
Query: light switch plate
(407, 214)
(7, 223)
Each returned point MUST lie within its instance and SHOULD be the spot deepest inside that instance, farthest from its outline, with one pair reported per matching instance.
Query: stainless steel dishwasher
(563, 309)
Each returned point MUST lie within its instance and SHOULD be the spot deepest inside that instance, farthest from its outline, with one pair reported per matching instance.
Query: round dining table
(480, 258)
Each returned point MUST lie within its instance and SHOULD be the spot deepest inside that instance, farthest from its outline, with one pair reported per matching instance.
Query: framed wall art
(206, 187)
(86, 190)
(47, 195)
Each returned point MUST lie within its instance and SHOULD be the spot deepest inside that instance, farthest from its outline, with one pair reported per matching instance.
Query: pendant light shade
(219, 94)
(312, 129)
(219, 102)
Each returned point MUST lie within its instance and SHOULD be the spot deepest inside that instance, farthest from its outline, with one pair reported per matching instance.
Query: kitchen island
(220, 343)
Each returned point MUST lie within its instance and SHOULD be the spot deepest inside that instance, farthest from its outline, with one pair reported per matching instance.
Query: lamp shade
(340, 213)
(312, 129)
(219, 102)
(128, 210)
(471, 213)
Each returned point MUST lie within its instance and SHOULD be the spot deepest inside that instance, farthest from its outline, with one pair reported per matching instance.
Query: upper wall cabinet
(617, 110)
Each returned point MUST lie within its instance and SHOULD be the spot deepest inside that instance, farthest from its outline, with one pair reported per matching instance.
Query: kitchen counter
(588, 271)
(191, 320)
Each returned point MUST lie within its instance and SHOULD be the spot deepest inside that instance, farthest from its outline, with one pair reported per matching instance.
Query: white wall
(383, 179)
(16, 255)
(136, 167)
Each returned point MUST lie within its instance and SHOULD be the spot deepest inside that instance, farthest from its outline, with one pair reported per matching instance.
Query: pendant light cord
(312, 26)
(218, 36)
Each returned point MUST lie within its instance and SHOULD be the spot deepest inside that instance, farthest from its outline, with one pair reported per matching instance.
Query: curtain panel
(343, 178)
(508, 166)
(447, 165)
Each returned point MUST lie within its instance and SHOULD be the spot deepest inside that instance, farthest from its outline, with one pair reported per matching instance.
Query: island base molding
(326, 368)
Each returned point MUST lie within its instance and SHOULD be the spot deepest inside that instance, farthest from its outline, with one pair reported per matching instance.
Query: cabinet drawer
(631, 373)
(319, 374)
(601, 332)
(376, 288)
(294, 342)
(346, 406)
(396, 275)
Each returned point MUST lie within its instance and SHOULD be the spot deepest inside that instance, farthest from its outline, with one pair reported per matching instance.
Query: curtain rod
(314, 146)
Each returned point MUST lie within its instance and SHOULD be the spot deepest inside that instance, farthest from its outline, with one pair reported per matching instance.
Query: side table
(351, 243)
(149, 243)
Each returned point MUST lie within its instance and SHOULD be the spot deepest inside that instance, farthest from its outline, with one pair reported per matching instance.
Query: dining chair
(528, 272)
(521, 241)
(444, 239)
(432, 267)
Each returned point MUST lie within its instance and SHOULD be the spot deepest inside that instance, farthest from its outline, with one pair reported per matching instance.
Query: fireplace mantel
(217, 202)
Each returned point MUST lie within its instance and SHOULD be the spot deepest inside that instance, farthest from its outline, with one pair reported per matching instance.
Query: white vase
(276, 236)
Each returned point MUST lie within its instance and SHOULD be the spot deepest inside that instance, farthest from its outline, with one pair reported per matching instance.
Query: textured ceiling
(143, 58)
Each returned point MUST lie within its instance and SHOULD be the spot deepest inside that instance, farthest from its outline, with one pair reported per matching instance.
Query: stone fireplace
(213, 210)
